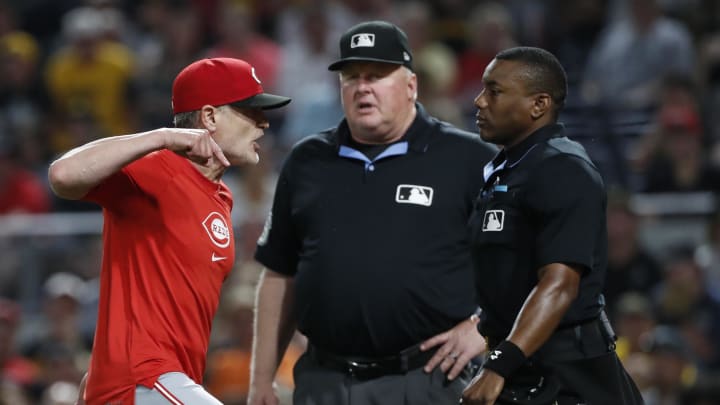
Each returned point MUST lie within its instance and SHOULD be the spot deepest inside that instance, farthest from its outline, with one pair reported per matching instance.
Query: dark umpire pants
(319, 383)
(596, 381)
(576, 366)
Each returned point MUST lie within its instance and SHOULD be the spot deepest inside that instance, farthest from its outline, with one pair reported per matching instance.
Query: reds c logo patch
(217, 229)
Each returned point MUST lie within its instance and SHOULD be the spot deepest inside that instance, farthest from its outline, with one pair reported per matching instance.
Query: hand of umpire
(196, 145)
(262, 394)
(484, 389)
(457, 347)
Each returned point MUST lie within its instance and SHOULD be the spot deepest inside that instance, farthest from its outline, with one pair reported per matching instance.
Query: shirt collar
(517, 152)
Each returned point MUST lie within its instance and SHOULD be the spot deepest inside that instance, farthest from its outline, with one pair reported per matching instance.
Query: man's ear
(542, 103)
(208, 115)
(412, 87)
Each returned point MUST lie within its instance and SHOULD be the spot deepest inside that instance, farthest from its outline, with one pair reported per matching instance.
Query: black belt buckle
(369, 368)
(359, 369)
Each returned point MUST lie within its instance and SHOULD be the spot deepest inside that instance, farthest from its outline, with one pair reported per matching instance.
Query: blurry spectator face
(683, 131)
(9, 318)
(154, 14)
(183, 35)
(19, 53)
(633, 326)
(700, 343)
(684, 276)
(7, 331)
(622, 225)
(86, 47)
(415, 21)
(7, 17)
(683, 145)
(16, 71)
(315, 26)
(644, 12)
(236, 23)
(683, 289)
(84, 27)
(667, 369)
(668, 356)
(63, 291)
(585, 12)
(62, 307)
(490, 28)
(634, 319)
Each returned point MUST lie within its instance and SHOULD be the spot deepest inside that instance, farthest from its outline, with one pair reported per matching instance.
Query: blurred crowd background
(644, 99)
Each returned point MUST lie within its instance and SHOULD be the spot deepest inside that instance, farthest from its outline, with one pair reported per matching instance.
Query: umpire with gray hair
(366, 251)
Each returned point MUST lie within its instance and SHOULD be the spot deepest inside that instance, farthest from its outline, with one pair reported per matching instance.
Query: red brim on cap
(263, 101)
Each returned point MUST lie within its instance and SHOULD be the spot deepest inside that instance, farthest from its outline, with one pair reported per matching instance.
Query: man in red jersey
(167, 241)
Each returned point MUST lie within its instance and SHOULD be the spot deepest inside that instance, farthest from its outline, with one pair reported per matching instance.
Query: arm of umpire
(273, 328)
(540, 315)
(74, 174)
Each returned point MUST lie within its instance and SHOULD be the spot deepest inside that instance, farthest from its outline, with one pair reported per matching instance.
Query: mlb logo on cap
(374, 41)
(367, 40)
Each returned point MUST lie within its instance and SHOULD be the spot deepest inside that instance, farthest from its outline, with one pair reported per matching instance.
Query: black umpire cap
(374, 41)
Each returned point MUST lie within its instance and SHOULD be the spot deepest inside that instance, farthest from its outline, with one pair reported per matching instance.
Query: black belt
(586, 338)
(574, 328)
(366, 368)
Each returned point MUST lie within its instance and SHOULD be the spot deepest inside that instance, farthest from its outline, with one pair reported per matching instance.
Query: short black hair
(544, 72)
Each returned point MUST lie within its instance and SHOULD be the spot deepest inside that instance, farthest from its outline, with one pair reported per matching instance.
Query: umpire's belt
(586, 339)
(366, 368)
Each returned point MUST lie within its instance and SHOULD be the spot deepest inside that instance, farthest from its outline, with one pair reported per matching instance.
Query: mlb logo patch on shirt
(412, 194)
(362, 41)
(493, 220)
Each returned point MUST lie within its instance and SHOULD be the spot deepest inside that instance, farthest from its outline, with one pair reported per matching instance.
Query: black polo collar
(510, 157)
(517, 152)
(417, 135)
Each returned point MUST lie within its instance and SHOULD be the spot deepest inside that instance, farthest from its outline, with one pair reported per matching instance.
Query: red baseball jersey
(168, 246)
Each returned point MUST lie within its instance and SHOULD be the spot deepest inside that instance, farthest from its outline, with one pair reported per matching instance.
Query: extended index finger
(218, 153)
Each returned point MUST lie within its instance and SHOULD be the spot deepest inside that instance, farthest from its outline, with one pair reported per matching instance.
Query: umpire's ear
(542, 103)
(207, 117)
